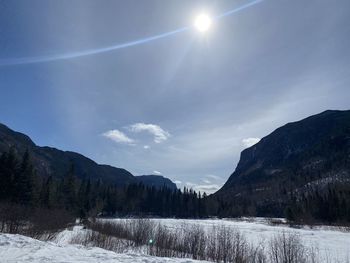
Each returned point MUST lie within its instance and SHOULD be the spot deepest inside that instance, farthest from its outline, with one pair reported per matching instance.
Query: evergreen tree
(47, 193)
(25, 182)
(8, 171)
(70, 189)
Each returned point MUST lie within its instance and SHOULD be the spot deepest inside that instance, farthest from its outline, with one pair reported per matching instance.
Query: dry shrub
(139, 231)
(96, 239)
(142, 230)
(13, 218)
(34, 222)
(288, 248)
(166, 244)
(220, 244)
(45, 223)
(227, 245)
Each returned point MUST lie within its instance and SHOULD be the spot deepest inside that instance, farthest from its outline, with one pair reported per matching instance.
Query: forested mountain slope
(299, 161)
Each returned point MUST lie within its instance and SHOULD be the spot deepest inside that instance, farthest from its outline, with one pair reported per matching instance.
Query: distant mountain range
(308, 153)
(157, 181)
(51, 161)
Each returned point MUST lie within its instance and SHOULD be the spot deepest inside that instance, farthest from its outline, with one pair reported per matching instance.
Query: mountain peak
(12, 136)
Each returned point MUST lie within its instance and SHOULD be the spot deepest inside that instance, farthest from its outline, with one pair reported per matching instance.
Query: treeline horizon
(19, 185)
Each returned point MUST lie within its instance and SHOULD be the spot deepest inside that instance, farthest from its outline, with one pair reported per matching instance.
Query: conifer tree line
(331, 204)
(328, 203)
(19, 184)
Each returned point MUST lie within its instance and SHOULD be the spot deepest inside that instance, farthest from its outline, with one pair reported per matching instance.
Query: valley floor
(333, 244)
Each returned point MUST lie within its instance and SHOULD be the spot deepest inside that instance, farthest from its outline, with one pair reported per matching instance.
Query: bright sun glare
(202, 22)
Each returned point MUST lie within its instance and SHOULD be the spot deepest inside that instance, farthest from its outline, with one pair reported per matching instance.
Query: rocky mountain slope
(306, 153)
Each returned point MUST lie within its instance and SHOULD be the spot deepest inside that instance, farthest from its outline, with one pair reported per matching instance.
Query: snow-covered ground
(21, 249)
(332, 243)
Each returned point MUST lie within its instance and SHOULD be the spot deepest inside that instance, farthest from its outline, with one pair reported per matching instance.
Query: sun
(202, 22)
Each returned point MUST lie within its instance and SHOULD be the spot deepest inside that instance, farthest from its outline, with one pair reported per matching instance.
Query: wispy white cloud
(118, 137)
(146, 147)
(157, 172)
(207, 188)
(159, 134)
(178, 182)
(215, 177)
(206, 181)
(248, 142)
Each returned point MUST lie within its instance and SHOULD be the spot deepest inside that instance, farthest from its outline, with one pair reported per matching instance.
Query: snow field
(331, 243)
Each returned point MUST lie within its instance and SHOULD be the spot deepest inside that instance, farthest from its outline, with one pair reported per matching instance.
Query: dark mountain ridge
(297, 155)
(51, 161)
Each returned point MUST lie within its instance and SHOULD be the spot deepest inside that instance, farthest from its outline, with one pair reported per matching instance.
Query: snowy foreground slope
(21, 249)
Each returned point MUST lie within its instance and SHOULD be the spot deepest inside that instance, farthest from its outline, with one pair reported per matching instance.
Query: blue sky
(184, 105)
